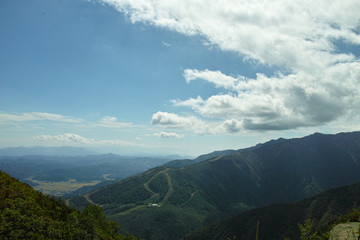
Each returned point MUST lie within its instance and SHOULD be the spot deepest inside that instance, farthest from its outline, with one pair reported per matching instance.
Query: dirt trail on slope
(170, 187)
(88, 199)
(154, 194)
(146, 186)
(170, 190)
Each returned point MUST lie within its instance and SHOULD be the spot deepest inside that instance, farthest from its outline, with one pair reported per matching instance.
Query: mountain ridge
(225, 185)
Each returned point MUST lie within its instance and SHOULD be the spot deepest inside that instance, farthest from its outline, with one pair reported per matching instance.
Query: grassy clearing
(60, 188)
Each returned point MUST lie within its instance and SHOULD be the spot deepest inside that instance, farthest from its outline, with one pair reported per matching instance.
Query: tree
(305, 231)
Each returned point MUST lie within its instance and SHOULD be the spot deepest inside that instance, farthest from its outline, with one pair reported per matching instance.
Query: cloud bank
(74, 138)
(283, 101)
(315, 84)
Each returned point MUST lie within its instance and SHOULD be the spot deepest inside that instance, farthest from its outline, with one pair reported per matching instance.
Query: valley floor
(60, 188)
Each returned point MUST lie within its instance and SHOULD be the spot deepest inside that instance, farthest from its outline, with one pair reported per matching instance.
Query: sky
(183, 77)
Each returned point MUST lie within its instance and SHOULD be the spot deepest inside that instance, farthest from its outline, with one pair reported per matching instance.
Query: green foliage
(28, 214)
(351, 216)
(79, 201)
(129, 191)
(166, 223)
(306, 232)
(159, 185)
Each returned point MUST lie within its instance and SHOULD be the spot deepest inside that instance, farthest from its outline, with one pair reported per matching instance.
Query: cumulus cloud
(172, 120)
(285, 101)
(74, 138)
(168, 135)
(232, 125)
(316, 82)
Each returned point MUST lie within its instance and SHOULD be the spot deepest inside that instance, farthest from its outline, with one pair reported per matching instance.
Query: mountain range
(46, 151)
(75, 170)
(170, 202)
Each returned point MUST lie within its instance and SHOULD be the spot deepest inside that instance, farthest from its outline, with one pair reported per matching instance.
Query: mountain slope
(213, 190)
(186, 162)
(281, 220)
(28, 214)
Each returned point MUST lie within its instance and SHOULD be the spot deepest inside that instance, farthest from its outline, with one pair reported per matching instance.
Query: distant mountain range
(81, 169)
(224, 184)
(47, 151)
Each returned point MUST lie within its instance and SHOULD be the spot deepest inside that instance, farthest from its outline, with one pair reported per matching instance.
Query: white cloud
(215, 77)
(37, 116)
(112, 122)
(295, 34)
(74, 138)
(172, 120)
(232, 126)
(166, 44)
(168, 135)
(56, 117)
(66, 137)
(316, 83)
(191, 102)
(285, 101)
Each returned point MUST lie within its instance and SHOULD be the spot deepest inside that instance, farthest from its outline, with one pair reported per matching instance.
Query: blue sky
(176, 77)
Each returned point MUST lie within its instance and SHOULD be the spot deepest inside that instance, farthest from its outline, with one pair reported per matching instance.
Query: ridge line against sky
(176, 76)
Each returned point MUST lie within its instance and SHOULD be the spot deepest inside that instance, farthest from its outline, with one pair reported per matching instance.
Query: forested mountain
(28, 214)
(280, 221)
(212, 190)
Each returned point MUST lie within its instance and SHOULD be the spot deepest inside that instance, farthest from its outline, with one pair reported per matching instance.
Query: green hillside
(212, 190)
(28, 214)
(281, 221)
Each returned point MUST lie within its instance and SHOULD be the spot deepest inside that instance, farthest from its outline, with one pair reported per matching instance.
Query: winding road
(146, 186)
